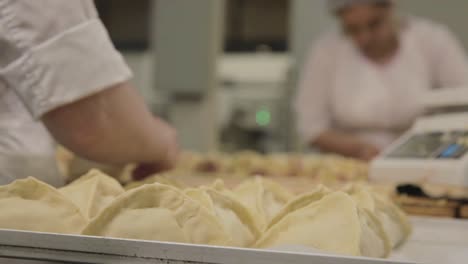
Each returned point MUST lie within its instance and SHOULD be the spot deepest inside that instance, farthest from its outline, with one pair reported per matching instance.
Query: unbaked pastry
(327, 221)
(162, 179)
(284, 165)
(236, 219)
(248, 163)
(394, 221)
(158, 212)
(93, 192)
(331, 169)
(32, 205)
(263, 198)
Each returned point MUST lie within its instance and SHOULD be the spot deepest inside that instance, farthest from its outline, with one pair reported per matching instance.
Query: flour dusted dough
(327, 221)
(394, 221)
(32, 205)
(93, 192)
(263, 198)
(235, 218)
(158, 212)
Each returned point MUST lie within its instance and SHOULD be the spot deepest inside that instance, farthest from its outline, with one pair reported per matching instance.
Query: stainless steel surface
(433, 241)
(76, 249)
(436, 241)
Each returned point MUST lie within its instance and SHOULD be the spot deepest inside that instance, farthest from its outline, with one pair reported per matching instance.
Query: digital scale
(435, 149)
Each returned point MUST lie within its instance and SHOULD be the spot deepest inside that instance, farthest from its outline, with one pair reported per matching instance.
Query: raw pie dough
(93, 192)
(258, 213)
(327, 221)
(156, 179)
(394, 221)
(32, 205)
(235, 218)
(263, 198)
(158, 212)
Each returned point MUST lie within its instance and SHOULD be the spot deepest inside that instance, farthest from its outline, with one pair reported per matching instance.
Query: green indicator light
(263, 117)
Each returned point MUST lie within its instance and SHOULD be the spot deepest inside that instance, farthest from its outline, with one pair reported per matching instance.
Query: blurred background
(224, 71)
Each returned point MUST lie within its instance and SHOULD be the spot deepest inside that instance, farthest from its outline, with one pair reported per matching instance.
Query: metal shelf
(79, 249)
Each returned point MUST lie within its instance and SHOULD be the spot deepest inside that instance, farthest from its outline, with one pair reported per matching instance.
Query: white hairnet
(337, 5)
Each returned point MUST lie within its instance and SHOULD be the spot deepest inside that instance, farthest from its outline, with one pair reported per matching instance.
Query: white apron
(378, 102)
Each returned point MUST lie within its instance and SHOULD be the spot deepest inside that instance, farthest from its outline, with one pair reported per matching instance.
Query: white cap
(337, 5)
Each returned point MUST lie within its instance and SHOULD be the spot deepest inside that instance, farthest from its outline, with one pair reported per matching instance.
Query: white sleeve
(55, 52)
(312, 104)
(448, 59)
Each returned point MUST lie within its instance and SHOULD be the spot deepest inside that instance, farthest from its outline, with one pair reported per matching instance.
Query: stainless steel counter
(434, 241)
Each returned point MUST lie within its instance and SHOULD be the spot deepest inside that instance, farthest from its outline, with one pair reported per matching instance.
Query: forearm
(113, 126)
(337, 142)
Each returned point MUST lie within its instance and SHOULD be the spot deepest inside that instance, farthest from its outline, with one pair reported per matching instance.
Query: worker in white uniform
(61, 78)
(361, 87)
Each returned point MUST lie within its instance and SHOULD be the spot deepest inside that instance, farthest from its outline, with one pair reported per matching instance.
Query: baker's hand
(172, 150)
(367, 152)
(168, 159)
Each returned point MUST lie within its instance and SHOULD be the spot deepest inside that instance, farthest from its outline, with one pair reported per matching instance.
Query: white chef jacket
(341, 89)
(52, 53)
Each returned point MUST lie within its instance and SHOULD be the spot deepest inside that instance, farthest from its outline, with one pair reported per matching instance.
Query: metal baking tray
(31, 247)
